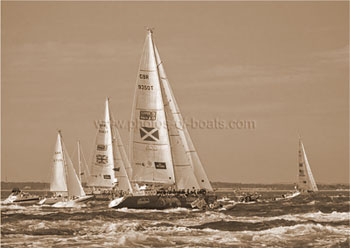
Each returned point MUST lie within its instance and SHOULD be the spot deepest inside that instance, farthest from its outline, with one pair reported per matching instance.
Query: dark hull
(102, 197)
(29, 201)
(156, 202)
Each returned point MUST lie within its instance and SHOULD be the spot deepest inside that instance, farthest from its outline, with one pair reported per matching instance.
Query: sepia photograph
(175, 124)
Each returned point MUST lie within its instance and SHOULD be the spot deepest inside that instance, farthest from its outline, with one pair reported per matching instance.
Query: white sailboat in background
(108, 171)
(64, 184)
(306, 182)
(122, 167)
(58, 183)
(161, 151)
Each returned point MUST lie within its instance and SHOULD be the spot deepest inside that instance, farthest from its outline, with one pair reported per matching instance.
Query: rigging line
(85, 163)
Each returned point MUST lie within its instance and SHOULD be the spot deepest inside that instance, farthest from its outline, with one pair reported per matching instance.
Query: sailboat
(64, 184)
(108, 168)
(306, 182)
(162, 156)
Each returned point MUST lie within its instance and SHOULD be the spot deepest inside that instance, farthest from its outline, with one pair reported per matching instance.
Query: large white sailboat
(306, 182)
(64, 184)
(108, 169)
(162, 154)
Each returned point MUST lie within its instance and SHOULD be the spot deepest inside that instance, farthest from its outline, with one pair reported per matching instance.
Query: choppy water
(317, 220)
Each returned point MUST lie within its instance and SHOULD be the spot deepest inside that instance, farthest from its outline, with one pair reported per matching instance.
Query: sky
(282, 65)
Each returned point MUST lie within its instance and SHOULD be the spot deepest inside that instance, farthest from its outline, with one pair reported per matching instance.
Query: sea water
(315, 220)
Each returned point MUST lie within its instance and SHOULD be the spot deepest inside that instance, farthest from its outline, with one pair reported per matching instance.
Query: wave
(171, 210)
(164, 233)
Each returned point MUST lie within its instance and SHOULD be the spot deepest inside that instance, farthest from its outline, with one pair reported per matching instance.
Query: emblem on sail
(149, 134)
(148, 115)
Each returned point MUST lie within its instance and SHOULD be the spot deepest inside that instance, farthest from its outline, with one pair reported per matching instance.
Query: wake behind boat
(161, 151)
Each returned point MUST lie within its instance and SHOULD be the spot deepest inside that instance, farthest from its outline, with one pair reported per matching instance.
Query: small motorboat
(19, 197)
(288, 196)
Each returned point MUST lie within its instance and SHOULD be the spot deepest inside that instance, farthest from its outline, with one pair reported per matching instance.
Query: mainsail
(58, 175)
(306, 181)
(150, 154)
(154, 103)
(102, 167)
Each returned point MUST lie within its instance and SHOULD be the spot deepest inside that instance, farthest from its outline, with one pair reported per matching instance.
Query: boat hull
(30, 201)
(102, 197)
(72, 202)
(154, 201)
(83, 199)
(21, 199)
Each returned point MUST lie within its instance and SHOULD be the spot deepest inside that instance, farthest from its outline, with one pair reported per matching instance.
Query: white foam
(170, 210)
(315, 216)
(68, 204)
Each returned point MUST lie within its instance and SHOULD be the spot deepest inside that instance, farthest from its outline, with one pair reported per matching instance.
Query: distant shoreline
(216, 190)
(218, 186)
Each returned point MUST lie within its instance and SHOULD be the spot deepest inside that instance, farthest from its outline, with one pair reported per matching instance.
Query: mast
(79, 161)
(150, 154)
